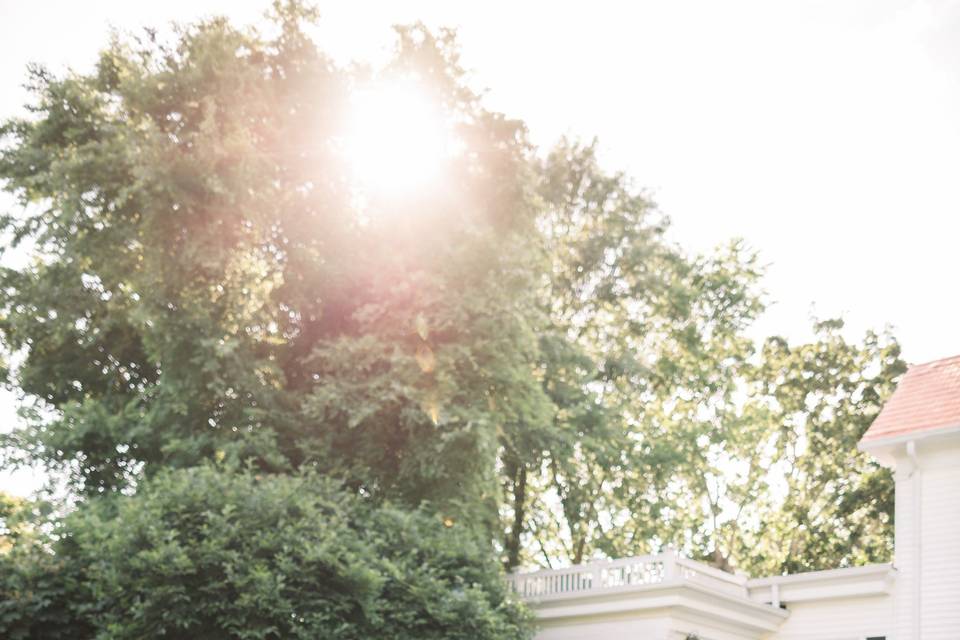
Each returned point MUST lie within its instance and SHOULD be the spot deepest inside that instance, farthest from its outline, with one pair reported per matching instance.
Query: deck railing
(609, 575)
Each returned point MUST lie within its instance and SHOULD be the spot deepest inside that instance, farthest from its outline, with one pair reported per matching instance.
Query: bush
(208, 553)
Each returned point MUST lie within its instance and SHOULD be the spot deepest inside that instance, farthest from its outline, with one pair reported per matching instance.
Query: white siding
(940, 545)
(659, 627)
(654, 628)
(838, 619)
(928, 512)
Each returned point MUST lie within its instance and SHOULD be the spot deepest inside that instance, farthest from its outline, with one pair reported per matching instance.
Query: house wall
(927, 555)
(831, 618)
(838, 619)
(659, 627)
(654, 628)
(940, 543)
(684, 623)
(662, 611)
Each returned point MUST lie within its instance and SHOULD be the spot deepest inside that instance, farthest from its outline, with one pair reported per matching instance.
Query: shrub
(211, 553)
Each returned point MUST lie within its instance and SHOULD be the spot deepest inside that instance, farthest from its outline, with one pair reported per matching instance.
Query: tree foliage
(671, 427)
(210, 282)
(218, 553)
(209, 279)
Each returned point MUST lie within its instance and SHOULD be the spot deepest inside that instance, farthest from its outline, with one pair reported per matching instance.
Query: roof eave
(884, 449)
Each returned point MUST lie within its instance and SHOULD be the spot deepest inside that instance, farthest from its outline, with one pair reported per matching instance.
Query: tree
(671, 426)
(212, 283)
(758, 470)
(838, 504)
(605, 259)
(210, 280)
(640, 335)
(39, 590)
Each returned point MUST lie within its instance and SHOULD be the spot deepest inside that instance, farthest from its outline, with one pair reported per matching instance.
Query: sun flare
(396, 139)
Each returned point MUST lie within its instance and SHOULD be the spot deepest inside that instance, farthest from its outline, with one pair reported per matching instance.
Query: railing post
(669, 558)
(596, 577)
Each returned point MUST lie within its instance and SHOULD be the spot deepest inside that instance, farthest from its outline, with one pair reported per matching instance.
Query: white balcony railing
(611, 575)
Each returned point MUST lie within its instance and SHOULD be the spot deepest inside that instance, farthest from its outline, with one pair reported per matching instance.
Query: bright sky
(825, 133)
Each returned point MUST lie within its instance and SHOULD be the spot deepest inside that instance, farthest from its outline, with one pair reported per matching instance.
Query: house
(669, 597)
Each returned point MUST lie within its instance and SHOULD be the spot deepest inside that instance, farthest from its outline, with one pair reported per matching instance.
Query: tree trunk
(578, 549)
(519, 505)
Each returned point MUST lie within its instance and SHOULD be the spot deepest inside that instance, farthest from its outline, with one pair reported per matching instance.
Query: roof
(926, 399)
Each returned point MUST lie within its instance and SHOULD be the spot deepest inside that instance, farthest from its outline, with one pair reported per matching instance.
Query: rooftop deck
(626, 573)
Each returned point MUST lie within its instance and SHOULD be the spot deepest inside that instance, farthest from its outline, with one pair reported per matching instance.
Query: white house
(669, 597)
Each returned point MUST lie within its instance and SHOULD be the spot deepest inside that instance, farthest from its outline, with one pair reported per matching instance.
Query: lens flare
(397, 140)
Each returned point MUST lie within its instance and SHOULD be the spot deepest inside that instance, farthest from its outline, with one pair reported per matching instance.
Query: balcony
(668, 595)
(610, 576)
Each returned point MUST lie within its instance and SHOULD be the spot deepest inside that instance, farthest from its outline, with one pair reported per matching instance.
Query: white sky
(825, 133)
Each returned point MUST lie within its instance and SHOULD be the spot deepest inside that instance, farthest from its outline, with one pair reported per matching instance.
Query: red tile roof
(927, 398)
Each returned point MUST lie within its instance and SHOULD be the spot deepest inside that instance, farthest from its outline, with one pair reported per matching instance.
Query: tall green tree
(671, 426)
(639, 333)
(211, 280)
(758, 470)
(606, 261)
(837, 506)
